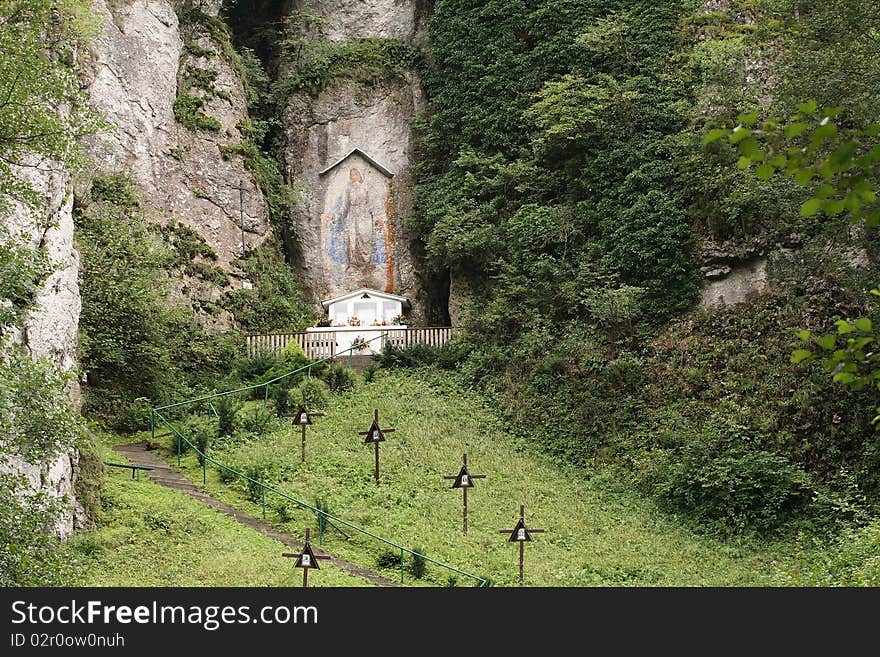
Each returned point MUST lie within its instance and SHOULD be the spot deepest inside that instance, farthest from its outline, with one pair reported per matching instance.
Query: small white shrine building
(366, 307)
(361, 316)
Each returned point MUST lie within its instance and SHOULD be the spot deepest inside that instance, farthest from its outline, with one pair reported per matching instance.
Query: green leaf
(844, 377)
(823, 132)
(824, 191)
(834, 208)
(795, 130)
(803, 176)
(803, 335)
(843, 327)
(831, 112)
(863, 324)
(750, 147)
(780, 161)
(800, 355)
(765, 171)
(748, 119)
(811, 207)
(843, 154)
(715, 135)
(875, 291)
(808, 107)
(827, 342)
(739, 133)
(744, 162)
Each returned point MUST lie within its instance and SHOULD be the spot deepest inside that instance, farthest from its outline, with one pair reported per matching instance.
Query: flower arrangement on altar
(400, 319)
(354, 320)
(359, 343)
(377, 322)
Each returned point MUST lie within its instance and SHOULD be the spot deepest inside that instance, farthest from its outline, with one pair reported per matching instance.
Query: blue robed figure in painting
(355, 237)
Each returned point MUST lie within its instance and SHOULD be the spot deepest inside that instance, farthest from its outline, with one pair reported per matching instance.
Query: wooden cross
(306, 559)
(464, 480)
(375, 435)
(520, 534)
(303, 418)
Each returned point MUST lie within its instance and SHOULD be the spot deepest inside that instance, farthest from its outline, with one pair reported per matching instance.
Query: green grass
(598, 533)
(153, 536)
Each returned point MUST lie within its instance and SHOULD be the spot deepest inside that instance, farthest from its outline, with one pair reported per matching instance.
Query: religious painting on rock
(355, 225)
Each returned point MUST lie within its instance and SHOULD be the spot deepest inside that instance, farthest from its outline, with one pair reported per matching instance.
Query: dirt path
(164, 475)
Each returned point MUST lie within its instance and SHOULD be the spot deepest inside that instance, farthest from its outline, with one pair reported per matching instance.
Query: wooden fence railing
(324, 344)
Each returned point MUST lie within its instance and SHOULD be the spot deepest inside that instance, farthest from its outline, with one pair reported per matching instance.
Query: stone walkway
(164, 475)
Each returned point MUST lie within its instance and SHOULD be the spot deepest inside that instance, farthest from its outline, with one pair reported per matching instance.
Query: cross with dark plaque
(303, 418)
(521, 534)
(375, 435)
(306, 559)
(464, 480)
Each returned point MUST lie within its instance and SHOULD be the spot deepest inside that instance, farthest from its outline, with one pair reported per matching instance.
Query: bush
(323, 508)
(728, 485)
(227, 415)
(202, 439)
(258, 473)
(282, 510)
(447, 357)
(340, 378)
(281, 399)
(257, 421)
(315, 392)
(227, 476)
(255, 369)
(388, 559)
(173, 439)
(293, 357)
(369, 372)
(28, 544)
(134, 416)
(417, 564)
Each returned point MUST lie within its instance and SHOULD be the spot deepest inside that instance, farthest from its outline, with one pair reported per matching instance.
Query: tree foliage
(42, 108)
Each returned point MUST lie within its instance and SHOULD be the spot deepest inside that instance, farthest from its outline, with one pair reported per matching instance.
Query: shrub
(323, 508)
(227, 415)
(187, 111)
(173, 440)
(293, 357)
(369, 372)
(258, 473)
(727, 485)
(339, 378)
(388, 559)
(254, 369)
(134, 416)
(448, 357)
(257, 421)
(417, 564)
(202, 439)
(282, 510)
(281, 399)
(315, 392)
(227, 476)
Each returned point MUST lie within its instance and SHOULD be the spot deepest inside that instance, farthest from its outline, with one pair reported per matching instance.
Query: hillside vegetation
(598, 533)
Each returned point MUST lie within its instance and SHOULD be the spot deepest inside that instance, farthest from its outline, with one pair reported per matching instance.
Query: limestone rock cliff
(150, 54)
(50, 328)
(349, 147)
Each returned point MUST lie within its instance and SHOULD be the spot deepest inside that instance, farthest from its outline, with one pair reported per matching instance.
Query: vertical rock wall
(50, 329)
(350, 148)
(144, 59)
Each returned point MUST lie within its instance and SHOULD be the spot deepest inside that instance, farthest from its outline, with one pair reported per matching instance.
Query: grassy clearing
(598, 534)
(153, 536)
